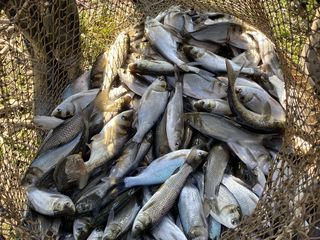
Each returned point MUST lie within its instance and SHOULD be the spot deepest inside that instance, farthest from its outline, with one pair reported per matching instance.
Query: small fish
(216, 106)
(122, 220)
(191, 213)
(49, 203)
(82, 228)
(175, 123)
(155, 67)
(110, 140)
(217, 162)
(160, 169)
(246, 198)
(227, 210)
(46, 122)
(263, 122)
(162, 201)
(152, 105)
(74, 104)
(249, 58)
(165, 43)
(213, 62)
(80, 84)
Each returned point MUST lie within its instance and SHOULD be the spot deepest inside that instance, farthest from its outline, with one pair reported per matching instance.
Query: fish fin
(256, 96)
(83, 180)
(194, 64)
(267, 111)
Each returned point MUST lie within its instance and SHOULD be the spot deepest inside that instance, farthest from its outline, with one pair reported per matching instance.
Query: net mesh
(46, 44)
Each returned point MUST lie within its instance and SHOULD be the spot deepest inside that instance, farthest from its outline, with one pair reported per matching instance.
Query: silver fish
(161, 144)
(264, 122)
(162, 201)
(191, 213)
(152, 105)
(122, 220)
(49, 203)
(74, 104)
(245, 197)
(160, 169)
(213, 62)
(217, 106)
(165, 43)
(144, 66)
(110, 140)
(217, 162)
(175, 123)
(249, 58)
(227, 210)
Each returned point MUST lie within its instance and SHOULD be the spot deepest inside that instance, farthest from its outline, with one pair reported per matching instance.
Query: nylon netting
(46, 44)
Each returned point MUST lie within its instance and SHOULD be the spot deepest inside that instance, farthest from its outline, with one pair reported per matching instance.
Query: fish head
(63, 206)
(140, 224)
(200, 105)
(192, 118)
(220, 87)
(126, 119)
(231, 215)
(160, 85)
(243, 95)
(64, 112)
(32, 175)
(198, 232)
(193, 52)
(112, 232)
(86, 204)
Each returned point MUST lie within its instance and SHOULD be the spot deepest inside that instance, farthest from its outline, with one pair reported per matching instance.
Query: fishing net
(46, 44)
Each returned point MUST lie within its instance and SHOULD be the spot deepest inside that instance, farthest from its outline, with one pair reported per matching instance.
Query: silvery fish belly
(170, 134)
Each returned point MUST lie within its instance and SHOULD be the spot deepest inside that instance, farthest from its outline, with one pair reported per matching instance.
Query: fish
(175, 123)
(213, 62)
(246, 198)
(122, 220)
(162, 201)
(263, 122)
(216, 165)
(109, 142)
(226, 210)
(249, 58)
(216, 106)
(221, 128)
(167, 229)
(160, 169)
(80, 84)
(163, 40)
(152, 105)
(155, 67)
(46, 122)
(191, 213)
(74, 104)
(49, 203)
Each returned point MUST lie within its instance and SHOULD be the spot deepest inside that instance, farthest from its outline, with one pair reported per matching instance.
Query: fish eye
(123, 117)
(59, 110)
(234, 221)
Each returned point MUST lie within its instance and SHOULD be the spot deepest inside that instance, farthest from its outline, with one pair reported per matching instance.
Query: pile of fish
(170, 134)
